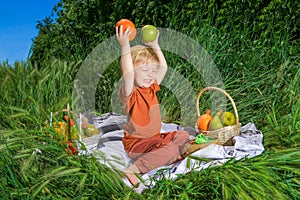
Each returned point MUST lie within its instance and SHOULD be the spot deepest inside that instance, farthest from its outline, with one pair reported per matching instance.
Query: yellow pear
(216, 122)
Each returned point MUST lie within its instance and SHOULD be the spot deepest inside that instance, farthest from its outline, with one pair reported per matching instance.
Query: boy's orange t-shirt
(142, 109)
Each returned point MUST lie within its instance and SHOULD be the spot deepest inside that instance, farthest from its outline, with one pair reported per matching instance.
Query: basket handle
(222, 91)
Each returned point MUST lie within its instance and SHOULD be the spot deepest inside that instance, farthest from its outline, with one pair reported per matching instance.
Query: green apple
(91, 130)
(149, 33)
(228, 119)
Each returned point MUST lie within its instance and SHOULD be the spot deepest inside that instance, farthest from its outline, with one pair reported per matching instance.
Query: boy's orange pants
(155, 151)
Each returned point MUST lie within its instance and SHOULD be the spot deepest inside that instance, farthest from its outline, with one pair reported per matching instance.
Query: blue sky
(18, 19)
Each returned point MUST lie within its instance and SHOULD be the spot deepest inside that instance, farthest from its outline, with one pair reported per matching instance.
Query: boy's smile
(145, 73)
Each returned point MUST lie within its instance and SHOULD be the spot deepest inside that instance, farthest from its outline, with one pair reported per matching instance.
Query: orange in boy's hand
(127, 23)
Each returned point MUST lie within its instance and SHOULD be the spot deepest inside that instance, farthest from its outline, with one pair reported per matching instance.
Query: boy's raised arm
(163, 66)
(126, 60)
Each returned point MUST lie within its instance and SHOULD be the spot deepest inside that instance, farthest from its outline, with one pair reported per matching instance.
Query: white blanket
(110, 152)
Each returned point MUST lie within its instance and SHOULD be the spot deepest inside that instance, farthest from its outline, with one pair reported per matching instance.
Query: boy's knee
(183, 135)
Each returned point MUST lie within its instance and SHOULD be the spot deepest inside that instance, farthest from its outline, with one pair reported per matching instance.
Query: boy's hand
(123, 37)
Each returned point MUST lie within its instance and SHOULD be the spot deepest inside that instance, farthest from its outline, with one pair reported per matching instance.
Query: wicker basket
(225, 134)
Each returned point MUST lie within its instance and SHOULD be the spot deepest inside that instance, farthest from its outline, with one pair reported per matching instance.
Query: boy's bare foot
(132, 178)
(130, 173)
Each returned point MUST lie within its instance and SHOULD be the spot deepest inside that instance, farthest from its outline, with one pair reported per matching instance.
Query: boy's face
(144, 73)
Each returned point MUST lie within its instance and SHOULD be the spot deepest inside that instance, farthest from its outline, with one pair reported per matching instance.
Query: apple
(228, 118)
(91, 130)
(149, 33)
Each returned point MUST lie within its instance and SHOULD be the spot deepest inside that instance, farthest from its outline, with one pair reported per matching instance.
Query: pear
(228, 118)
(216, 122)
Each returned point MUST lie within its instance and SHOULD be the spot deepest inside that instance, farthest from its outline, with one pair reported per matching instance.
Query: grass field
(263, 77)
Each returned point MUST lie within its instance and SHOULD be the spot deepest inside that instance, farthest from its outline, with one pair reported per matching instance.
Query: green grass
(263, 77)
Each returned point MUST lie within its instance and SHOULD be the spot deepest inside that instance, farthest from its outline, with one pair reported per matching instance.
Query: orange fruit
(127, 23)
(204, 120)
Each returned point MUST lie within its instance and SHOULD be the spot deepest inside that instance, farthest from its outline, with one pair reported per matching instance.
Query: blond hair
(143, 53)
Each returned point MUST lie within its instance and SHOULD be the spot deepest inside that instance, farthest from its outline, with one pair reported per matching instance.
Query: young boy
(143, 69)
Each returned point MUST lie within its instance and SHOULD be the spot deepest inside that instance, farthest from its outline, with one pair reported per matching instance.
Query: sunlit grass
(263, 77)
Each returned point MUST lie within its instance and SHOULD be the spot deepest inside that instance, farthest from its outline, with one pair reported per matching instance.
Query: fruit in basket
(204, 120)
(149, 33)
(228, 118)
(91, 130)
(216, 122)
(127, 23)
